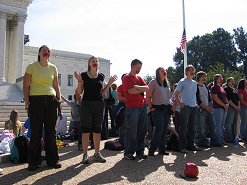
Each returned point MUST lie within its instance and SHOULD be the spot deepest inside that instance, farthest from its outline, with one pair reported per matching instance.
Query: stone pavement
(225, 165)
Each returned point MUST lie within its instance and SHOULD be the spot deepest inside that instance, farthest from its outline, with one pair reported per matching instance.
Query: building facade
(15, 57)
(12, 19)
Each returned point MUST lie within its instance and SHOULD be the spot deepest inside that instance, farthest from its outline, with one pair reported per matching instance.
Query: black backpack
(21, 144)
(172, 141)
(114, 145)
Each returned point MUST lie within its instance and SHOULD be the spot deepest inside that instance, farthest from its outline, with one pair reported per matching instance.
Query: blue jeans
(206, 122)
(243, 126)
(161, 120)
(136, 125)
(219, 116)
(187, 127)
(231, 124)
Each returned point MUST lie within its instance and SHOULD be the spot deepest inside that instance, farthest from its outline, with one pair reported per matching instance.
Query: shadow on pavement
(133, 171)
(221, 153)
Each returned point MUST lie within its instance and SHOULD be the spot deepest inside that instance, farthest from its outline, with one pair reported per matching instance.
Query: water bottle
(236, 142)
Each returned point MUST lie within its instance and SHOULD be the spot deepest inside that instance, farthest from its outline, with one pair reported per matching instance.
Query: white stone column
(2, 45)
(20, 45)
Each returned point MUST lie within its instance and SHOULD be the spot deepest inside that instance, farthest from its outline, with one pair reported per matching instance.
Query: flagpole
(185, 45)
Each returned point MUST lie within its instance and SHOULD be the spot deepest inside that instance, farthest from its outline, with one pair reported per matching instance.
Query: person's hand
(112, 79)
(152, 109)
(182, 105)
(26, 105)
(209, 109)
(226, 107)
(77, 76)
(238, 107)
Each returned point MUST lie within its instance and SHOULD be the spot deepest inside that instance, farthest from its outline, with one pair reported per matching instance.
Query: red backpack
(191, 170)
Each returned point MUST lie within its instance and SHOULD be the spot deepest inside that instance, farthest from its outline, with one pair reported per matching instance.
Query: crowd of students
(197, 110)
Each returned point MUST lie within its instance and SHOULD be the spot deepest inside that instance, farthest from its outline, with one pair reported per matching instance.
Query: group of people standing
(191, 105)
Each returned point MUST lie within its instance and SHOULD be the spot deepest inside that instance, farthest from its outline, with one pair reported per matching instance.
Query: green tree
(175, 74)
(226, 73)
(241, 40)
(147, 78)
(203, 52)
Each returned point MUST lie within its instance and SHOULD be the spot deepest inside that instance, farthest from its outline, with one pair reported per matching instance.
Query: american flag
(183, 40)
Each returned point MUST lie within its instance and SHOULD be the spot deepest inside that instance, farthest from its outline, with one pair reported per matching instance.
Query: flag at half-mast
(183, 41)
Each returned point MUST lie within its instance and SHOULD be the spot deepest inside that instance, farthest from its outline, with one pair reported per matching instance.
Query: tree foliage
(147, 78)
(241, 40)
(203, 52)
(226, 73)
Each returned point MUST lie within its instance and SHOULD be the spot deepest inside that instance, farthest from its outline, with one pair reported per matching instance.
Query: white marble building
(14, 57)
(12, 19)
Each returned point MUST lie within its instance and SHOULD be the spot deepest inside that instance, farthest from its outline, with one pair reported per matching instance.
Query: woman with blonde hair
(14, 123)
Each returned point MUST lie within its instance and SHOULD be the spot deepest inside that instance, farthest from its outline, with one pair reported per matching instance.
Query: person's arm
(241, 97)
(217, 100)
(23, 128)
(64, 99)
(134, 91)
(105, 89)
(26, 89)
(56, 87)
(79, 88)
(6, 125)
(120, 96)
(148, 101)
(142, 88)
(232, 104)
(178, 99)
(172, 130)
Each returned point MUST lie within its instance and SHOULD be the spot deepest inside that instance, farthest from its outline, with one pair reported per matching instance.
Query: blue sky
(122, 30)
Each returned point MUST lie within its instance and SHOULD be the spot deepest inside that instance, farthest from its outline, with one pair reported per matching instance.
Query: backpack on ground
(19, 149)
(172, 141)
(114, 145)
(74, 134)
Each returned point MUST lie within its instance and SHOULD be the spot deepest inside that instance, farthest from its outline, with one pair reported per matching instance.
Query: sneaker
(32, 167)
(85, 159)
(56, 165)
(204, 145)
(129, 157)
(164, 153)
(150, 153)
(195, 148)
(183, 151)
(98, 157)
(80, 148)
(142, 156)
(216, 145)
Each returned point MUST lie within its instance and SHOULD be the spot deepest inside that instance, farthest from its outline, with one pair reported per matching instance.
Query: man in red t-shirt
(136, 112)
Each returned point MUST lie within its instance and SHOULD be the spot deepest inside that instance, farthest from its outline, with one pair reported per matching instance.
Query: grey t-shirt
(75, 114)
(203, 94)
(160, 95)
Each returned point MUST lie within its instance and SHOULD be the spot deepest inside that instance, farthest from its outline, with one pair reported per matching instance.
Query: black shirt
(92, 87)
(232, 94)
